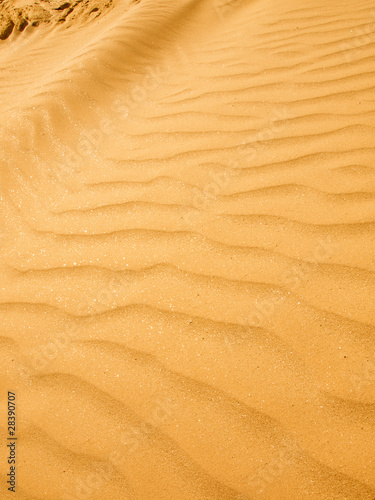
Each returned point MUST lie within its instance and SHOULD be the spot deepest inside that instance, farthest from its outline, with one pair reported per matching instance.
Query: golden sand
(187, 249)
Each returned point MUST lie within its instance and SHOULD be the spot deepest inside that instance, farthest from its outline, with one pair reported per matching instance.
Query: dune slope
(187, 249)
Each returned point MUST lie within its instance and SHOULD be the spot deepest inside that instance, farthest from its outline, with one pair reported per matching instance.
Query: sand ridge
(187, 263)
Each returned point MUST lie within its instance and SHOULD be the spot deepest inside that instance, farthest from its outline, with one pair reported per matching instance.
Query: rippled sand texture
(187, 268)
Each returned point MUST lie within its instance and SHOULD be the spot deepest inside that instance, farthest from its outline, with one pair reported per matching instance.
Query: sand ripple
(187, 249)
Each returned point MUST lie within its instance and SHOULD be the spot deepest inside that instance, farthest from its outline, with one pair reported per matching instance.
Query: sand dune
(187, 221)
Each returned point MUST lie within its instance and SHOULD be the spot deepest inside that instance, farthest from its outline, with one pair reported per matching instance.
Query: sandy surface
(187, 249)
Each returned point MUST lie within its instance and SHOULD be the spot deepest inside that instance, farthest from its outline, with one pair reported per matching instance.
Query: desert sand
(187, 219)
